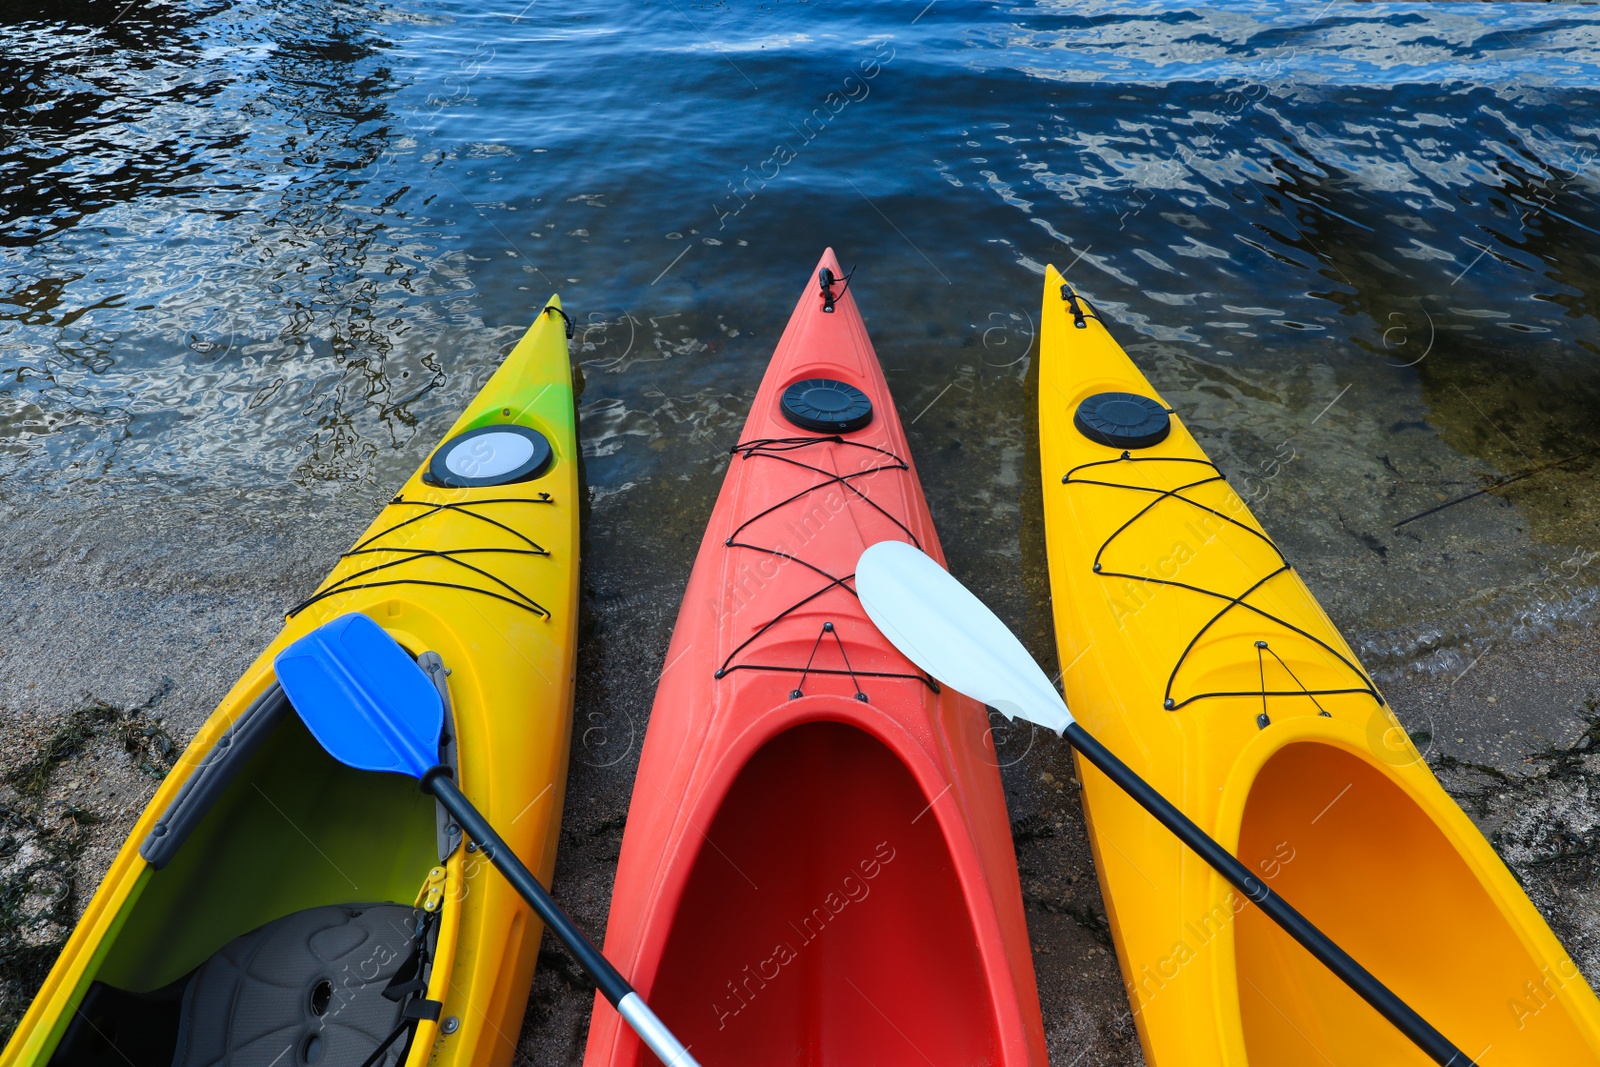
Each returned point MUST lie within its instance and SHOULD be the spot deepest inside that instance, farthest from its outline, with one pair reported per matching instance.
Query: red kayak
(817, 866)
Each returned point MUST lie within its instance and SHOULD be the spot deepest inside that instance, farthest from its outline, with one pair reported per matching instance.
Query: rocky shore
(126, 622)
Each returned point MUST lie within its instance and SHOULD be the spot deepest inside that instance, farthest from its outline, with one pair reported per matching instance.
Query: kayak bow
(274, 906)
(817, 866)
(1195, 652)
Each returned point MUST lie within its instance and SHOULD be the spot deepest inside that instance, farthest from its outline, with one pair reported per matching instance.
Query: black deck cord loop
(349, 583)
(834, 479)
(933, 686)
(728, 666)
(1176, 492)
(1169, 702)
(448, 555)
(1241, 601)
(436, 506)
(1072, 304)
(861, 696)
(790, 444)
(563, 314)
(833, 583)
(1261, 670)
(1336, 959)
(1313, 696)
(828, 278)
(828, 628)
(800, 686)
(774, 448)
(785, 444)
(535, 609)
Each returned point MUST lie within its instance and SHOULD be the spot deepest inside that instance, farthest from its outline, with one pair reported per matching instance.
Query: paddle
(945, 630)
(369, 704)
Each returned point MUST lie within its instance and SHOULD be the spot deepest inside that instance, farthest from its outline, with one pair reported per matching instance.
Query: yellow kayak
(273, 907)
(1195, 653)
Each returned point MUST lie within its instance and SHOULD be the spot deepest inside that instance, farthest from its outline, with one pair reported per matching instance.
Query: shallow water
(255, 256)
(253, 244)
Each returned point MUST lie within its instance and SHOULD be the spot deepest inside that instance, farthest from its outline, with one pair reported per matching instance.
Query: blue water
(262, 243)
(280, 240)
(254, 257)
(247, 243)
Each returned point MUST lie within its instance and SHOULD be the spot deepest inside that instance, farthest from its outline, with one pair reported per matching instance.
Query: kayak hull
(1196, 653)
(443, 570)
(817, 864)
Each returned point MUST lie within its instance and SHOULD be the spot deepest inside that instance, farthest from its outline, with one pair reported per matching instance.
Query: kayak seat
(306, 990)
(826, 923)
(323, 987)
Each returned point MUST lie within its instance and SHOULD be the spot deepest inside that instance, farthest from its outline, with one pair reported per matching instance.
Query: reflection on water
(251, 243)
(215, 278)
(255, 255)
(260, 242)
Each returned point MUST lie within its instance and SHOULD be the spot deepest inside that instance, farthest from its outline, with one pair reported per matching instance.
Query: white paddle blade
(941, 627)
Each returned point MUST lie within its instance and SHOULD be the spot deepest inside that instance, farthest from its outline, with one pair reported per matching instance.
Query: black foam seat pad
(305, 990)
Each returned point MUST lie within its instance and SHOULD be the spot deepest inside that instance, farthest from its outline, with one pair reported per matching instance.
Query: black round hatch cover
(1122, 420)
(490, 455)
(826, 406)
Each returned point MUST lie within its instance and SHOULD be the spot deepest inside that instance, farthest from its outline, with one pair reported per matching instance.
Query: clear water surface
(255, 256)
(254, 243)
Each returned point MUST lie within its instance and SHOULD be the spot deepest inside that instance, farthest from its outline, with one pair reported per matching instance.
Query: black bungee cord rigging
(781, 449)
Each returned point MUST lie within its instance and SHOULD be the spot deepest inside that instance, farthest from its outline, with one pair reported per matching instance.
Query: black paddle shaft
(438, 782)
(1278, 910)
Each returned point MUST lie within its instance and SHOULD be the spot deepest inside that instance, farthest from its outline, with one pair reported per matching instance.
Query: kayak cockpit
(823, 921)
(273, 929)
(1369, 864)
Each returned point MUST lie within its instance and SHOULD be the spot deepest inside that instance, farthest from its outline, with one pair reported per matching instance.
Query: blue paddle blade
(362, 697)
